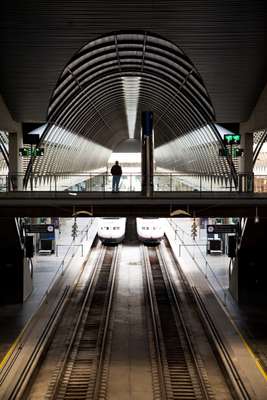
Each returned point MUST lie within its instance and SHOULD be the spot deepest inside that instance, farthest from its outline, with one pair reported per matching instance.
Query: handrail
(163, 181)
(131, 181)
(83, 231)
(225, 293)
(101, 174)
(61, 266)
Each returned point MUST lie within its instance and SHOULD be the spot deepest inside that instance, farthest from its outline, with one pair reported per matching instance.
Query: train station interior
(133, 200)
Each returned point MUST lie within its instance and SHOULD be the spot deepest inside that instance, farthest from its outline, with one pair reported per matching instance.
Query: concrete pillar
(246, 163)
(15, 161)
(247, 277)
(147, 151)
(234, 279)
(11, 263)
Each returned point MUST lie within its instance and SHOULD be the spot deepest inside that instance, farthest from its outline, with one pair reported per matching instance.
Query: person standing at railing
(116, 173)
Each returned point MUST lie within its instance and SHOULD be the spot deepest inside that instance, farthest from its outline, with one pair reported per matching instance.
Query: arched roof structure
(101, 92)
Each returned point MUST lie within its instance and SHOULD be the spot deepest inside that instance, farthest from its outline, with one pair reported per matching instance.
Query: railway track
(178, 370)
(82, 367)
(81, 370)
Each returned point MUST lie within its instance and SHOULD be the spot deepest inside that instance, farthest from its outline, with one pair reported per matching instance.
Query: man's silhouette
(116, 173)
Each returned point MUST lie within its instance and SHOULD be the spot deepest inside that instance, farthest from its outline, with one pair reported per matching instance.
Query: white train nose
(149, 230)
(111, 230)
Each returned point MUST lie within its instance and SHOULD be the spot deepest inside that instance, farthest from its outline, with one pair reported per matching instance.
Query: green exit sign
(236, 152)
(232, 139)
(31, 152)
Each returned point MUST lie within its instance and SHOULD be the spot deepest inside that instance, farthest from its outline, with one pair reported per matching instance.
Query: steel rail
(87, 343)
(184, 378)
(223, 356)
(155, 324)
(78, 322)
(99, 377)
(173, 294)
(22, 381)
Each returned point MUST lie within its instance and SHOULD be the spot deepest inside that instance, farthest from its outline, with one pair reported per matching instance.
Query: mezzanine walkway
(160, 204)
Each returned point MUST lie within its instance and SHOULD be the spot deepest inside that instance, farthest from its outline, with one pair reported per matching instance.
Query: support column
(15, 161)
(248, 275)
(147, 153)
(11, 263)
(246, 163)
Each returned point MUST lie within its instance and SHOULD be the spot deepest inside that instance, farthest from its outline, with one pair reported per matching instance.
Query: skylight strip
(131, 89)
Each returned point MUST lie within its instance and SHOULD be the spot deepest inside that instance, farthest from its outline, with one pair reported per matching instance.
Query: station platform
(242, 329)
(46, 269)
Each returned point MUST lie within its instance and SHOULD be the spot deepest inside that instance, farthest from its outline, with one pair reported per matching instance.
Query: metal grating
(4, 155)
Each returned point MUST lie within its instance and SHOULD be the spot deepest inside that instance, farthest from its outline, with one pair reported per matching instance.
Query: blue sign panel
(147, 123)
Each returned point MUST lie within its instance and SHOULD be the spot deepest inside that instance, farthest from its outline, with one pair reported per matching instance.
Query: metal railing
(67, 258)
(132, 182)
(201, 262)
(81, 235)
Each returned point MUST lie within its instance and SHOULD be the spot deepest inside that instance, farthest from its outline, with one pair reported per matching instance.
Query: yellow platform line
(251, 352)
(245, 343)
(9, 353)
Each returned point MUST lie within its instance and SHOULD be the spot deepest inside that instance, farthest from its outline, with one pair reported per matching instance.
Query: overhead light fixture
(131, 88)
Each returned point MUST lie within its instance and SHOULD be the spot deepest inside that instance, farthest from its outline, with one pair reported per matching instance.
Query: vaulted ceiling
(105, 86)
(89, 67)
(225, 40)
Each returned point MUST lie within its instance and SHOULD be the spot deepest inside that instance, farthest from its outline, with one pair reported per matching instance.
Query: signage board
(40, 228)
(222, 228)
(147, 123)
(236, 152)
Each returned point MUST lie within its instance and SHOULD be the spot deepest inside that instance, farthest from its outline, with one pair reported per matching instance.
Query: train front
(111, 230)
(149, 230)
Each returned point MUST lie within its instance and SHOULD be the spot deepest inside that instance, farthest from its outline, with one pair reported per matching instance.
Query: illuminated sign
(232, 139)
(28, 152)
